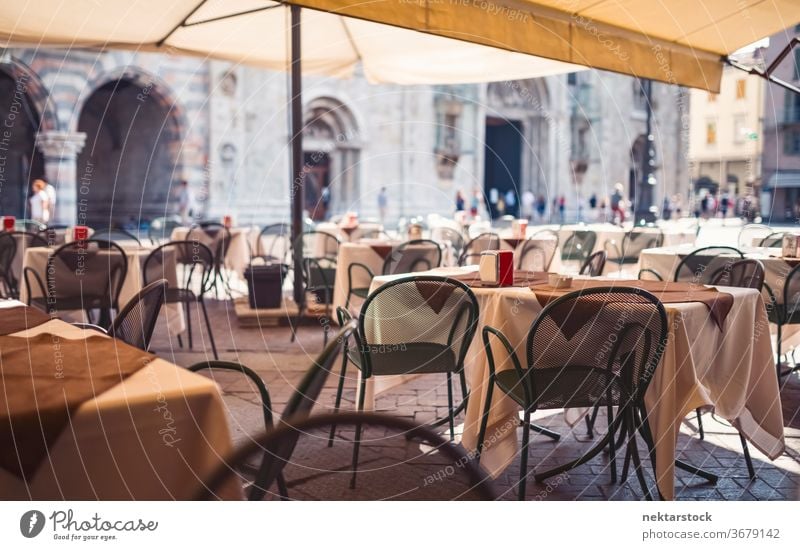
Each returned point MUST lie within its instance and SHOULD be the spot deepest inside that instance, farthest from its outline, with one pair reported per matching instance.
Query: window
(711, 133)
(791, 112)
(797, 63)
(712, 98)
(739, 130)
(572, 78)
(741, 88)
(791, 142)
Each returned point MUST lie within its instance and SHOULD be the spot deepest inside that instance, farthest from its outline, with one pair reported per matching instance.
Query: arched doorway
(131, 158)
(331, 150)
(20, 161)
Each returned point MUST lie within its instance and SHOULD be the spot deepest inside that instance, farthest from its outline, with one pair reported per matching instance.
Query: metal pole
(297, 192)
(644, 198)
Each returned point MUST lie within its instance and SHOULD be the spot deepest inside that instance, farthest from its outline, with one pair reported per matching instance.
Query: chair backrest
(481, 243)
(214, 235)
(194, 257)
(31, 226)
(115, 235)
(593, 346)
(648, 274)
(791, 292)
(161, 229)
(594, 264)
(416, 324)
(743, 274)
(454, 237)
(411, 256)
(774, 240)
(394, 465)
(318, 244)
(533, 257)
(136, 321)
(637, 240)
(579, 245)
(549, 234)
(702, 263)
(274, 242)
(93, 270)
(752, 234)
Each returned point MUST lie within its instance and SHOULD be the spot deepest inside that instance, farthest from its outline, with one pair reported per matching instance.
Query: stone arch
(25, 111)
(331, 150)
(132, 157)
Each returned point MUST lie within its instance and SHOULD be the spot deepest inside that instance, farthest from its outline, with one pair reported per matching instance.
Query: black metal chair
(579, 246)
(136, 321)
(408, 257)
(431, 468)
(160, 230)
(197, 263)
(633, 243)
(647, 274)
(774, 240)
(785, 312)
(299, 406)
(29, 226)
(274, 243)
(455, 239)
(8, 250)
(320, 251)
(11, 266)
(594, 264)
(563, 369)
(752, 234)
(701, 264)
(81, 275)
(531, 247)
(482, 243)
(116, 235)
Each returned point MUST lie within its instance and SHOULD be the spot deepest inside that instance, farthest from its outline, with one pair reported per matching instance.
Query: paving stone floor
(281, 364)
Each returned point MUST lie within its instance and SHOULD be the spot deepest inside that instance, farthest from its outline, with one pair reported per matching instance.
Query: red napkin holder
(497, 267)
(80, 233)
(227, 221)
(9, 223)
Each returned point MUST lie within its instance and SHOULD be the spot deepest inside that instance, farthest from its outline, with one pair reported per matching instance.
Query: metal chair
(320, 250)
(698, 266)
(81, 275)
(633, 243)
(274, 243)
(594, 264)
(136, 321)
(578, 246)
(752, 234)
(11, 271)
(160, 230)
(563, 370)
(551, 234)
(408, 257)
(8, 250)
(295, 448)
(481, 243)
(785, 312)
(29, 226)
(197, 263)
(217, 238)
(648, 274)
(774, 240)
(116, 235)
(299, 406)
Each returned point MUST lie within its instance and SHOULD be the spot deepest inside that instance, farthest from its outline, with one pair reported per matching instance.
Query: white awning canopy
(421, 41)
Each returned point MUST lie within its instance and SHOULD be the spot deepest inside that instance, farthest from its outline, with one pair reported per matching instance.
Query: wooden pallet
(282, 316)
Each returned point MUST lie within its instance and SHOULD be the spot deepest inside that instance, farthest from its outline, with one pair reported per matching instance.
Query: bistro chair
(543, 233)
(160, 230)
(774, 240)
(295, 448)
(594, 264)
(633, 243)
(197, 265)
(408, 257)
(700, 265)
(785, 312)
(217, 238)
(562, 368)
(320, 251)
(299, 406)
(532, 256)
(29, 226)
(481, 243)
(447, 236)
(752, 234)
(274, 243)
(647, 274)
(116, 235)
(579, 246)
(81, 275)
(136, 322)
(13, 245)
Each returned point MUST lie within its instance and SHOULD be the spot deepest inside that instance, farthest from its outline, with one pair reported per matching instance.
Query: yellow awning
(422, 41)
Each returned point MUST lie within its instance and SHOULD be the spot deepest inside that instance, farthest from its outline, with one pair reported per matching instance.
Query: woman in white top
(39, 202)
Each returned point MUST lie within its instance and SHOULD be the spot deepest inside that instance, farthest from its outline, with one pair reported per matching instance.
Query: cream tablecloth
(732, 370)
(237, 257)
(152, 437)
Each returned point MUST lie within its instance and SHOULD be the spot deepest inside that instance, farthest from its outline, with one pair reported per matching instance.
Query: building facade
(116, 131)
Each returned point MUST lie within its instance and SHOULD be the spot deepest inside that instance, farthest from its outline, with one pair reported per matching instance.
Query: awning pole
(296, 191)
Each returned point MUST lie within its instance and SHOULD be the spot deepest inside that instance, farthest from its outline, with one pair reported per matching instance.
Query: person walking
(461, 203)
(616, 203)
(51, 199)
(38, 202)
(562, 206)
(383, 203)
(185, 201)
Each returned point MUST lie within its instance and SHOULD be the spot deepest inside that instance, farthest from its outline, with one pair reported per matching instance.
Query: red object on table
(80, 233)
(227, 221)
(505, 267)
(9, 222)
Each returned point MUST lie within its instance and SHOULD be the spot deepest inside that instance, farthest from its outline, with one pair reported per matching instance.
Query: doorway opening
(502, 166)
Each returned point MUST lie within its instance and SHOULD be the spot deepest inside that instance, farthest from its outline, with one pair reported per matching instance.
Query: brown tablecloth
(21, 318)
(436, 294)
(44, 380)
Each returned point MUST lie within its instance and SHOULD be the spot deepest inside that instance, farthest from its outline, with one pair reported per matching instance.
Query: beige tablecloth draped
(151, 437)
(732, 370)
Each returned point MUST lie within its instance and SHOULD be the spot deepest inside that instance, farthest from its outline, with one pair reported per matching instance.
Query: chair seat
(179, 295)
(411, 358)
(576, 387)
(777, 314)
(360, 292)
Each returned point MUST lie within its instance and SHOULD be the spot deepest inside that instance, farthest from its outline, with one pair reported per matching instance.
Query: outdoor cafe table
(731, 369)
(150, 437)
(237, 257)
(36, 258)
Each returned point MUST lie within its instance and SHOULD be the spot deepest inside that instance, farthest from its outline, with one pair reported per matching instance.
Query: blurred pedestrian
(617, 208)
(461, 203)
(38, 202)
(185, 201)
(383, 203)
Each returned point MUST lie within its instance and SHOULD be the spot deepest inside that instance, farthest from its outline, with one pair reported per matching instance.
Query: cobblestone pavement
(281, 364)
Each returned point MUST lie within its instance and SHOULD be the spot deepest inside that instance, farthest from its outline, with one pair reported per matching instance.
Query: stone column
(60, 151)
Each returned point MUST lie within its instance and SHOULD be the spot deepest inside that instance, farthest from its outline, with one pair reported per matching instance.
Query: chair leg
(283, 491)
(700, 431)
(357, 440)
(523, 459)
(189, 323)
(778, 361)
(637, 466)
(749, 461)
(180, 341)
(612, 450)
(208, 327)
(555, 436)
(339, 391)
(484, 419)
(297, 323)
(450, 414)
(590, 420)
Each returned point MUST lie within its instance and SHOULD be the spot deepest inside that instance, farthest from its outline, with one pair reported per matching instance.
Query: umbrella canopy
(422, 41)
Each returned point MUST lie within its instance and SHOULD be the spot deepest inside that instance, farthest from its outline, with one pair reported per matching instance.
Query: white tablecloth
(151, 437)
(237, 257)
(732, 370)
